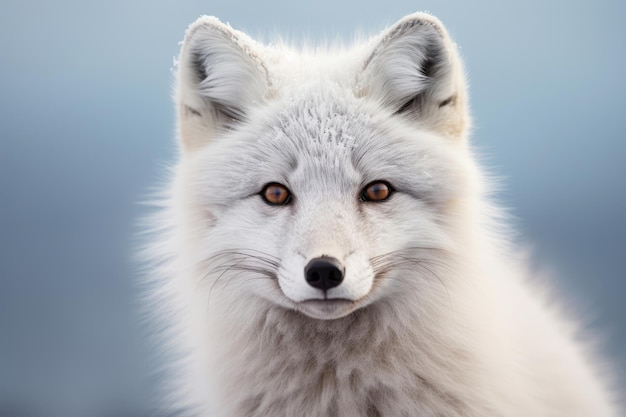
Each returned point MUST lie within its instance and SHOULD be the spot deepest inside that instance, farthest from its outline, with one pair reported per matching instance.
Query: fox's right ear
(220, 77)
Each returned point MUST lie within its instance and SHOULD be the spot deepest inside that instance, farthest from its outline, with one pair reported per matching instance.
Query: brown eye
(276, 194)
(376, 191)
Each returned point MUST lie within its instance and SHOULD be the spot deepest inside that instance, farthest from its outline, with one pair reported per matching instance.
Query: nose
(324, 273)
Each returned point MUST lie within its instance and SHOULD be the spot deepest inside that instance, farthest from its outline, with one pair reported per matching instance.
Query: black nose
(324, 273)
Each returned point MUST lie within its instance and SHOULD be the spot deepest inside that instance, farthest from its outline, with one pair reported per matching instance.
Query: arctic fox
(328, 248)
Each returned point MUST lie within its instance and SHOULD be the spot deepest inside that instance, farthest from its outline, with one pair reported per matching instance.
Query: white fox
(328, 248)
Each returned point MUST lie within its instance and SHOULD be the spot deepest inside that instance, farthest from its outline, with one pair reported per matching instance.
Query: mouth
(327, 309)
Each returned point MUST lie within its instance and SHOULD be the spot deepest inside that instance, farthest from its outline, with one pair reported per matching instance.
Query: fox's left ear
(415, 71)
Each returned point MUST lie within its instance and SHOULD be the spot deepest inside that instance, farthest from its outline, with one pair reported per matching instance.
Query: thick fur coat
(361, 156)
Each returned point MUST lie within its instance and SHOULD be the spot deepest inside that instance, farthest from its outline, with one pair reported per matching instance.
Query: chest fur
(348, 367)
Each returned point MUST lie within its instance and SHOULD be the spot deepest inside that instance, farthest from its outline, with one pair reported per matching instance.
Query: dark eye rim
(363, 196)
(269, 184)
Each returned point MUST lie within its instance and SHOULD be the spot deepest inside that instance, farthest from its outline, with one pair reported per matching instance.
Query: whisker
(408, 257)
(230, 265)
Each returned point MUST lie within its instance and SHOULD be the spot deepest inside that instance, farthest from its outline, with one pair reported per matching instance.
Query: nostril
(336, 276)
(315, 277)
(324, 273)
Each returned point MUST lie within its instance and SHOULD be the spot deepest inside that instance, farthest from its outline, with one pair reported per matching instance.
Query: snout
(324, 273)
(324, 286)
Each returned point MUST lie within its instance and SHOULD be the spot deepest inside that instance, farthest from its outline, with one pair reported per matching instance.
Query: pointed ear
(414, 71)
(220, 77)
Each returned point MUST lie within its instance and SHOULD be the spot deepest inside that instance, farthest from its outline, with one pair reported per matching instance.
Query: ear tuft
(220, 77)
(415, 72)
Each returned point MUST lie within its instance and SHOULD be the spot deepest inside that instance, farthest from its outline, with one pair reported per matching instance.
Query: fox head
(321, 182)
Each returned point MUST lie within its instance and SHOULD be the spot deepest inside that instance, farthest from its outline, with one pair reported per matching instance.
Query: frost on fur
(329, 298)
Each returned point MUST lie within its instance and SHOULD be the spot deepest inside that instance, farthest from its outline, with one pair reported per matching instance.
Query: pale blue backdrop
(86, 123)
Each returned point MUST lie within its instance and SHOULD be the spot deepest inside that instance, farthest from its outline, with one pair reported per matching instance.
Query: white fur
(448, 325)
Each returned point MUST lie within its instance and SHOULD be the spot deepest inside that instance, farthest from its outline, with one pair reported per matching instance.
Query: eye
(276, 194)
(376, 191)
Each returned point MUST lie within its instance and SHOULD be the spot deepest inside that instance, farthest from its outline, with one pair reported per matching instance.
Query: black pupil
(276, 193)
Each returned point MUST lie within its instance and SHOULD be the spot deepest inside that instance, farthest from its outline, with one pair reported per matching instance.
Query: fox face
(322, 188)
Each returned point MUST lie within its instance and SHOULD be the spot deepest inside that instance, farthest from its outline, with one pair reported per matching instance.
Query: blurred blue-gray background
(86, 124)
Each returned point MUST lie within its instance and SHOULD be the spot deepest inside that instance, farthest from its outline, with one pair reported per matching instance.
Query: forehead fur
(319, 128)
